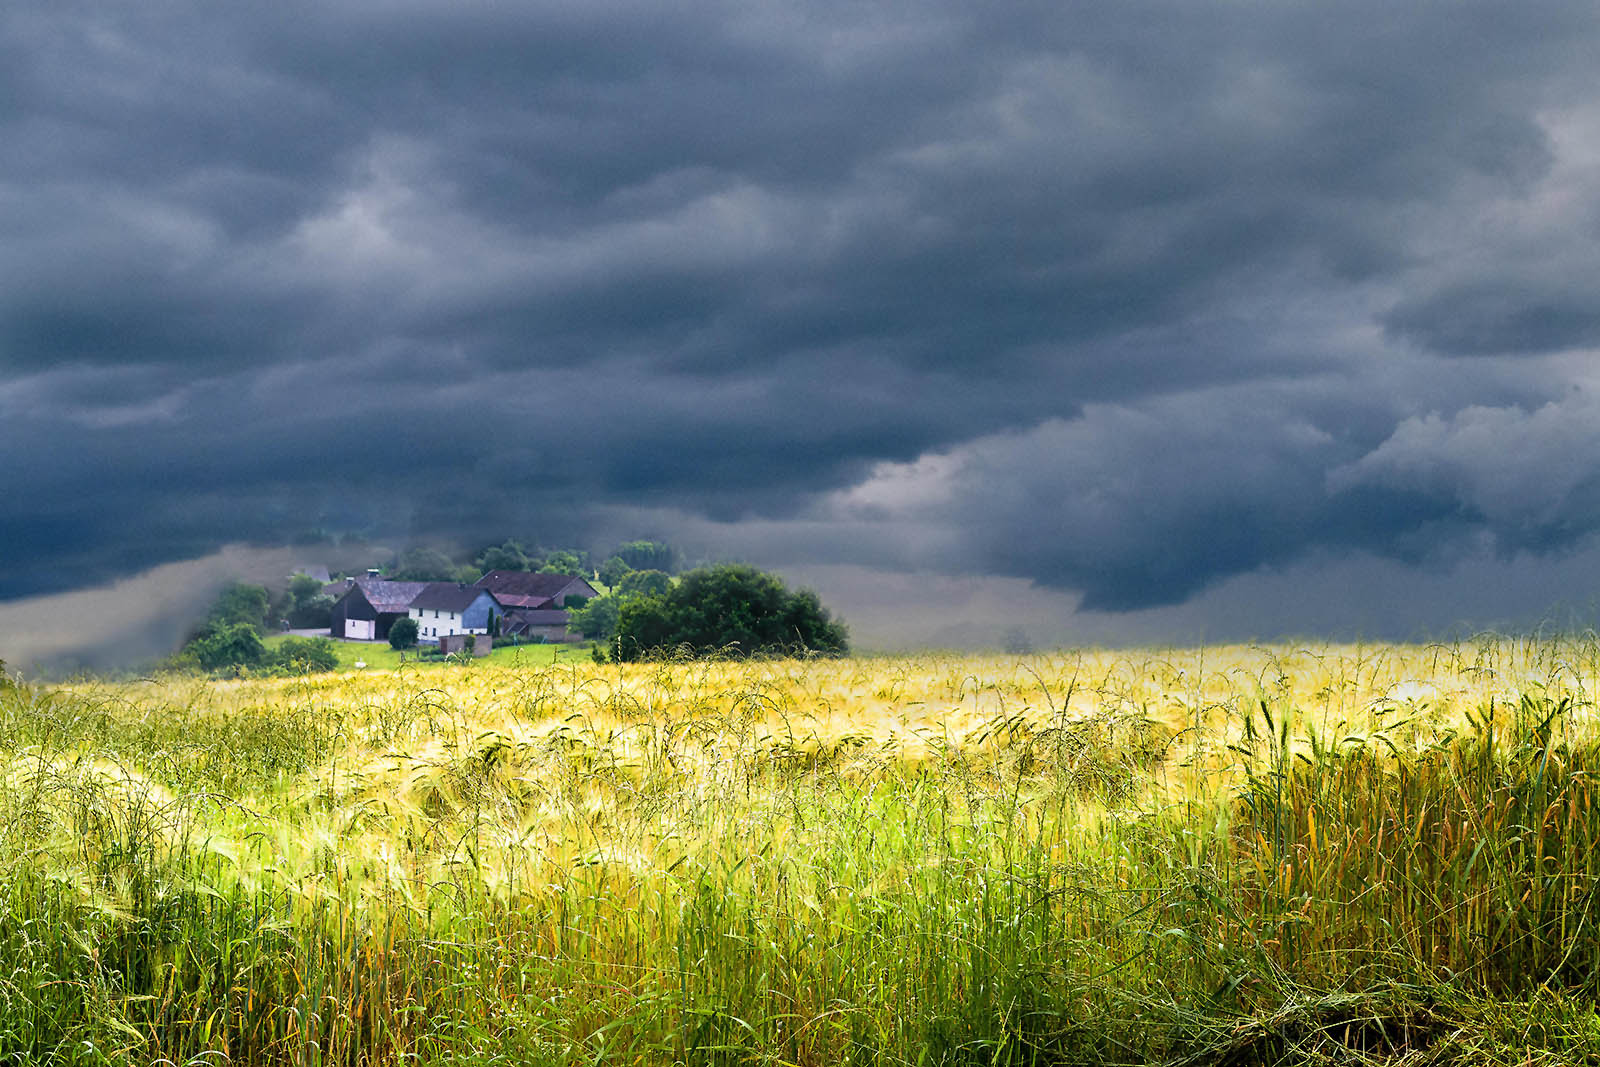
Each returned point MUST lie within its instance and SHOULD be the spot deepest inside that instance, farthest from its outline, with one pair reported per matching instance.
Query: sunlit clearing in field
(1227, 855)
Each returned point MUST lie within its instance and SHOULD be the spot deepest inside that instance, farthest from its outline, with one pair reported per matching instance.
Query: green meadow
(1212, 857)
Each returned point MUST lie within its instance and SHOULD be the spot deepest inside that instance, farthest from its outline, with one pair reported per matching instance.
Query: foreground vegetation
(1212, 857)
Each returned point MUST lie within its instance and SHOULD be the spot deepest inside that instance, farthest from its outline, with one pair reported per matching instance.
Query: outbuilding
(370, 606)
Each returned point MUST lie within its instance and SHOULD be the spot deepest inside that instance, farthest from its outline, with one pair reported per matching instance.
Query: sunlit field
(1227, 856)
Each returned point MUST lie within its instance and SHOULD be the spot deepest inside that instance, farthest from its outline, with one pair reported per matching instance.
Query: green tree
(303, 587)
(563, 561)
(596, 620)
(644, 583)
(731, 607)
(613, 570)
(424, 565)
(510, 556)
(240, 603)
(649, 555)
(313, 614)
(305, 605)
(403, 634)
(647, 626)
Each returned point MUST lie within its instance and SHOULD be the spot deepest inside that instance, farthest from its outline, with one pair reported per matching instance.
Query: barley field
(1214, 857)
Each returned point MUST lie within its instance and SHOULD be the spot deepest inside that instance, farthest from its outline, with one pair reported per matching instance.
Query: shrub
(403, 634)
(304, 655)
(228, 645)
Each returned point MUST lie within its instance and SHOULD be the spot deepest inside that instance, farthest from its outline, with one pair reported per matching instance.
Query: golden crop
(868, 860)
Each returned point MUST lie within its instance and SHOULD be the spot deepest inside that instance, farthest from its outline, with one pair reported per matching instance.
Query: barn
(370, 606)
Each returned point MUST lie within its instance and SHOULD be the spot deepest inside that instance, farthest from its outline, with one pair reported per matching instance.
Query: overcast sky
(1144, 321)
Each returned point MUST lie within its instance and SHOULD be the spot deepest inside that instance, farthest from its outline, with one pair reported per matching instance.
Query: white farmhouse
(446, 608)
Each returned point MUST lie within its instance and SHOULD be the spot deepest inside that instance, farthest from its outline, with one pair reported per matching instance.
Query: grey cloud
(1531, 479)
(1133, 507)
(1501, 316)
(1145, 274)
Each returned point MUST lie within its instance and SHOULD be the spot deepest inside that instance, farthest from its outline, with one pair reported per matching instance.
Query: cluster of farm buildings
(530, 608)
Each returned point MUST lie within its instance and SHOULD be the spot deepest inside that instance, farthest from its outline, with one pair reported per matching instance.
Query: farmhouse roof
(387, 597)
(511, 600)
(448, 596)
(533, 589)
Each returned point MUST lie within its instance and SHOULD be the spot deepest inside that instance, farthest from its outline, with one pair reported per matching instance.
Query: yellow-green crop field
(1221, 856)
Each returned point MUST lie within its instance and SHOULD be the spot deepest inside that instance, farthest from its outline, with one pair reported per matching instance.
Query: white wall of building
(431, 624)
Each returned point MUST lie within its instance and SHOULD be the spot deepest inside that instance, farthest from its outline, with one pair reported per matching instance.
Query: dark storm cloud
(1123, 300)
(1139, 507)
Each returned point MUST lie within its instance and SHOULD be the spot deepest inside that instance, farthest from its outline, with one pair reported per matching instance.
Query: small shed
(538, 625)
(450, 644)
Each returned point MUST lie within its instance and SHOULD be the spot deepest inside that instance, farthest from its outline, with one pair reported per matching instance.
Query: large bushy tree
(727, 608)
